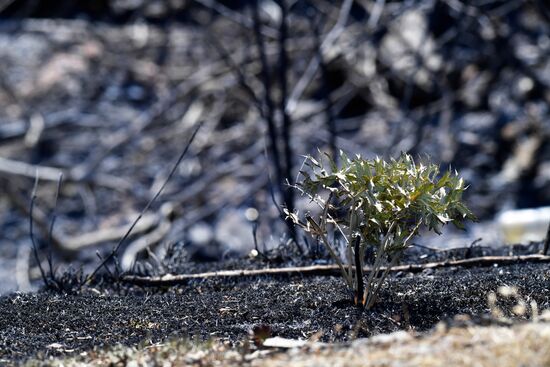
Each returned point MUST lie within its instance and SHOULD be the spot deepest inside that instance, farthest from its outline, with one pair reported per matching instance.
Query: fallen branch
(68, 246)
(47, 173)
(99, 236)
(14, 167)
(319, 270)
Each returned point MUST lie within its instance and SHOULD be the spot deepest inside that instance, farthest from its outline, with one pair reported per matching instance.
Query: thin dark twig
(241, 78)
(546, 242)
(283, 80)
(283, 68)
(52, 224)
(31, 232)
(278, 206)
(329, 111)
(105, 266)
(268, 101)
(147, 206)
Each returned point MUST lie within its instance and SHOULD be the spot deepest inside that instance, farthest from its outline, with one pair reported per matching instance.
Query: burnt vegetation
(145, 138)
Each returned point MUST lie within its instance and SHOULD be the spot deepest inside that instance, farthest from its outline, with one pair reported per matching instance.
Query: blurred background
(107, 94)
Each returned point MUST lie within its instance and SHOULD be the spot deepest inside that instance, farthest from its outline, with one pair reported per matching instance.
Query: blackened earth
(48, 323)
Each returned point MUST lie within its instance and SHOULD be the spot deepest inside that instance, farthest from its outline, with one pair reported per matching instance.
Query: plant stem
(322, 233)
(373, 273)
(377, 262)
(359, 289)
(346, 276)
(374, 295)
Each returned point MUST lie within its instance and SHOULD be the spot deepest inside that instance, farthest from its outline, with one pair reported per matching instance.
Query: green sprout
(379, 204)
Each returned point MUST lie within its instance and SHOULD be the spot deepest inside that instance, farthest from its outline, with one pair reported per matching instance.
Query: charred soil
(46, 323)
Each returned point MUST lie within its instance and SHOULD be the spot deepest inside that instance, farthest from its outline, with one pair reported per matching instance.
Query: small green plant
(379, 204)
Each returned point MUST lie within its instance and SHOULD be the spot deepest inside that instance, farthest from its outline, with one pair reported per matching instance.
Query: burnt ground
(47, 323)
(108, 103)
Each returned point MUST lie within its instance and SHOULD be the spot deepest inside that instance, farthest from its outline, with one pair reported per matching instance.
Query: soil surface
(521, 344)
(107, 96)
(47, 323)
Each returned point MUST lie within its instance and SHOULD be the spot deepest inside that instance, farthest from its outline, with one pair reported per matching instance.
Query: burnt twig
(31, 233)
(115, 250)
(546, 242)
(330, 270)
(268, 101)
(283, 67)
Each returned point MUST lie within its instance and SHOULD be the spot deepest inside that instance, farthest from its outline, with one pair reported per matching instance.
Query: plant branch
(359, 286)
(319, 232)
(374, 295)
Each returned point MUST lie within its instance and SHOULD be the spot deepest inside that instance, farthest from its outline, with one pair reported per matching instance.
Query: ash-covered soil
(46, 323)
(109, 106)
(108, 96)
